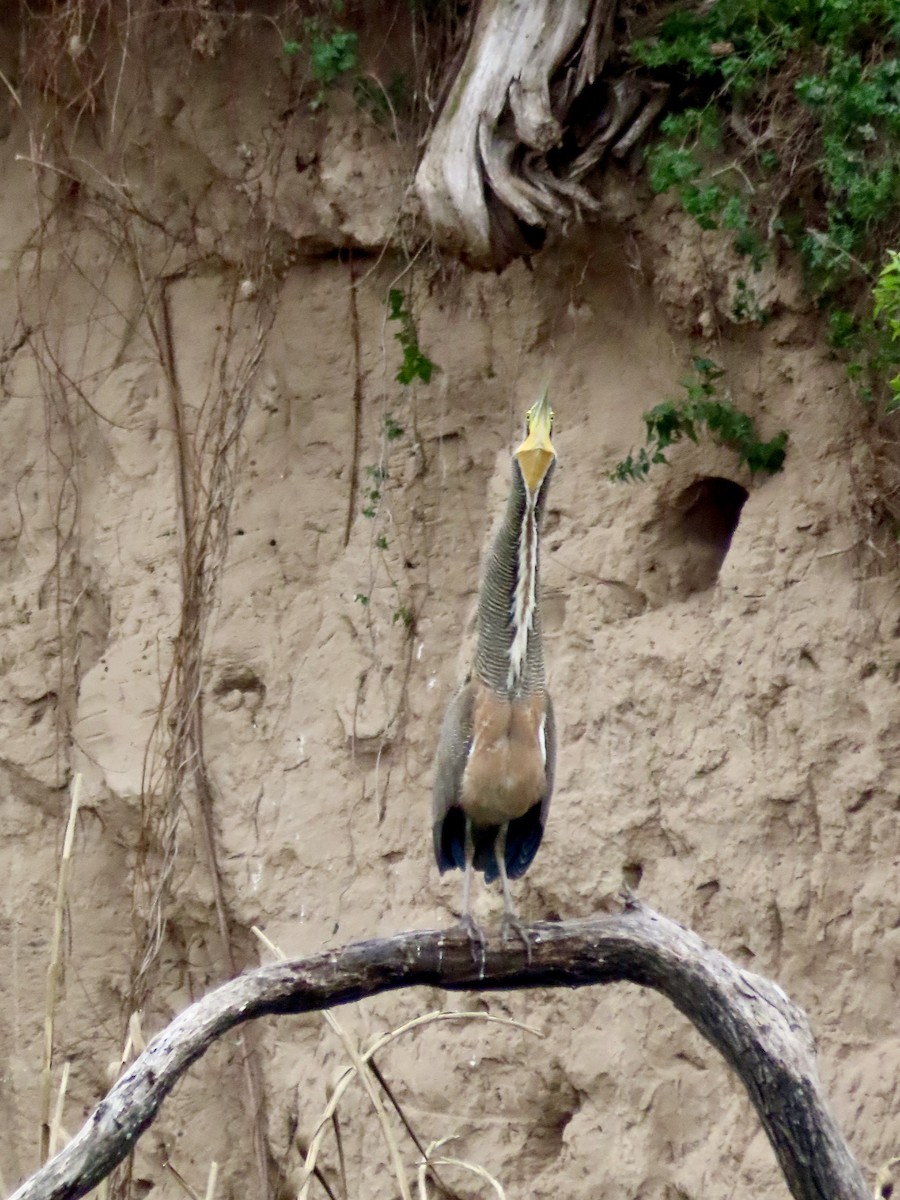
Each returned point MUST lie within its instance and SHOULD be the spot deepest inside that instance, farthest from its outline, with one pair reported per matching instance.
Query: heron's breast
(505, 773)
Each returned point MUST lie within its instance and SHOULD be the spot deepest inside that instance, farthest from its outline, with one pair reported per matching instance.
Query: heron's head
(536, 453)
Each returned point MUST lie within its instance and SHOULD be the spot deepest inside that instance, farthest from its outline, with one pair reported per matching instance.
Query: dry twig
(55, 968)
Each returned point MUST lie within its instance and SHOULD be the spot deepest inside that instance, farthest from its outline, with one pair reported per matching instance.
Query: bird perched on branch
(497, 750)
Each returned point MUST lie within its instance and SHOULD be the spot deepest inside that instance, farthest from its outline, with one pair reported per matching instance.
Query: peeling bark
(508, 156)
(762, 1035)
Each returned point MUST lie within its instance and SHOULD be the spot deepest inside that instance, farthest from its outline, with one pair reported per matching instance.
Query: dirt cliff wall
(196, 386)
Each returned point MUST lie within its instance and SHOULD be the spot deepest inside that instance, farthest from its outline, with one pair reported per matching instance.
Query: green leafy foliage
(857, 105)
(789, 131)
(746, 304)
(887, 313)
(678, 160)
(870, 352)
(887, 294)
(333, 51)
(698, 410)
(404, 614)
(416, 364)
(392, 430)
(332, 55)
(729, 55)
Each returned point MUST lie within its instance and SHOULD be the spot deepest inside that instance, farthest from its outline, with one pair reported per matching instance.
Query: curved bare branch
(763, 1036)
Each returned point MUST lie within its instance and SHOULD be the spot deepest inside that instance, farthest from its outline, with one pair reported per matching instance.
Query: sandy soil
(727, 725)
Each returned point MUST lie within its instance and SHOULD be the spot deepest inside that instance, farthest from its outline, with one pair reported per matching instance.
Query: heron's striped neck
(509, 657)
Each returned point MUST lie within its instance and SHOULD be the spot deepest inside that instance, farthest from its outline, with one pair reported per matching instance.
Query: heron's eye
(529, 417)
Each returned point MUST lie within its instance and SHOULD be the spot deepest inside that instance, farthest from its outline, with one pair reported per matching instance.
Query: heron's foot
(476, 937)
(511, 923)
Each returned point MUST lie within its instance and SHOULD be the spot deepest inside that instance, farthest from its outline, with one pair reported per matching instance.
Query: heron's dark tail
(450, 841)
(523, 836)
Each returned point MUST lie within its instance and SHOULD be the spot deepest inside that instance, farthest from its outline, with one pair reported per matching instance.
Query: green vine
(700, 409)
(416, 364)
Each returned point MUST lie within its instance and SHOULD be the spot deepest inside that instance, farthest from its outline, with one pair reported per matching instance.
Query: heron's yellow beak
(536, 453)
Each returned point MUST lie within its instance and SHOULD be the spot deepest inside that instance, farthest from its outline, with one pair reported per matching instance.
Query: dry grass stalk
(57, 1134)
(369, 1083)
(429, 1163)
(55, 967)
(343, 1081)
(365, 1077)
(362, 1067)
(134, 1045)
(136, 1034)
(212, 1180)
(190, 1192)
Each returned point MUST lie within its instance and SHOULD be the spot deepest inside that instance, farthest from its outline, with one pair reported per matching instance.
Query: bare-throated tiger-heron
(497, 751)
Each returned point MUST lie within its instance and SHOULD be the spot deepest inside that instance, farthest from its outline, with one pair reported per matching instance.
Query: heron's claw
(476, 937)
(512, 922)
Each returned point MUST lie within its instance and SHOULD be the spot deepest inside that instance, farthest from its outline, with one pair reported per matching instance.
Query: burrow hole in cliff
(705, 516)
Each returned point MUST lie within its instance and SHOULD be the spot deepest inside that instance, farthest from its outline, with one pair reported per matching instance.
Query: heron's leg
(510, 919)
(467, 874)
(475, 932)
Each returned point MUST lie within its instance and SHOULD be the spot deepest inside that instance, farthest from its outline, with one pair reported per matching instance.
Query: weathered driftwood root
(761, 1034)
(512, 145)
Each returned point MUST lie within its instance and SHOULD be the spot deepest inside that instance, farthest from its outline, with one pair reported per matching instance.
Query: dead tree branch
(529, 116)
(762, 1035)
